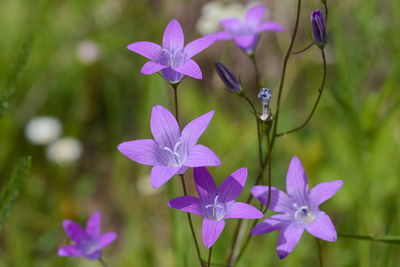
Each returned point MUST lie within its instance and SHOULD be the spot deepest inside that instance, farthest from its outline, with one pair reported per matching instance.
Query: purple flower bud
(318, 27)
(229, 79)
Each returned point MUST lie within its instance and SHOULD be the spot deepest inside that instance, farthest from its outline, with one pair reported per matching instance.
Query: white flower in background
(213, 12)
(144, 188)
(64, 151)
(88, 52)
(43, 130)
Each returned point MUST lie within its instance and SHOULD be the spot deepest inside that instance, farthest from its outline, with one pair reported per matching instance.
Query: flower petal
(211, 231)
(151, 67)
(296, 182)
(74, 231)
(232, 186)
(196, 46)
(93, 224)
(190, 68)
(173, 38)
(279, 202)
(164, 127)
(270, 26)
(270, 224)
(202, 156)
(324, 191)
(186, 203)
(161, 174)
(194, 129)
(246, 41)
(244, 211)
(223, 36)
(322, 227)
(143, 151)
(205, 183)
(231, 24)
(147, 49)
(69, 251)
(255, 14)
(288, 239)
(95, 255)
(107, 239)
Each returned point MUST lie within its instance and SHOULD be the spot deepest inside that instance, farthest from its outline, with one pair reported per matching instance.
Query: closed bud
(228, 78)
(318, 28)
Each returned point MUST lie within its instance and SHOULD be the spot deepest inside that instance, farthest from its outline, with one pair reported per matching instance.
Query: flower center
(243, 29)
(175, 159)
(303, 214)
(89, 246)
(173, 58)
(215, 211)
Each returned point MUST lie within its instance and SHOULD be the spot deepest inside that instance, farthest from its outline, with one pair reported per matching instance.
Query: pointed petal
(255, 14)
(69, 251)
(322, 227)
(279, 202)
(161, 174)
(288, 239)
(194, 129)
(143, 151)
(270, 224)
(324, 191)
(232, 186)
(151, 67)
(107, 239)
(297, 182)
(202, 156)
(223, 36)
(173, 38)
(270, 26)
(246, 41)
(231, 24)
(93, 224)
(196, 46)
(147, 49)
(164, 127)
(244, 211)
(205, 183)
(95, 255)
(186, 203)
(190, 68)
(211, 231)
(74, 231)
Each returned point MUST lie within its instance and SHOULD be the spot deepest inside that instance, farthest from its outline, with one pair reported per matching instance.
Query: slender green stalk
(209, 257)
(175, 88)
(260, 154)
(321, 89)
(285, 63)
(304, 49)
(371, 238)
(102, 262)
(321, 262)
(257, 70)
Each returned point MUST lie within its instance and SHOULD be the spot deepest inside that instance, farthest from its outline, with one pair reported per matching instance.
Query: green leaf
(10, 191)
(392, 239)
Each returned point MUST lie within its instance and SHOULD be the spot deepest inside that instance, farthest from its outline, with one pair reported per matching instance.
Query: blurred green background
(79, 71)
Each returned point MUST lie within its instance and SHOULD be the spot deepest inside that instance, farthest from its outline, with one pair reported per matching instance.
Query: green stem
(321, 262)
(209, 257)
(175, 88)
(304, 49)
(102, 262)
(321, 89)
(371, 238)
(258, 76)
(260, 154)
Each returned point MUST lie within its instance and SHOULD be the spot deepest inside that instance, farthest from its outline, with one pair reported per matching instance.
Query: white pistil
(218, 210)
(177, 158)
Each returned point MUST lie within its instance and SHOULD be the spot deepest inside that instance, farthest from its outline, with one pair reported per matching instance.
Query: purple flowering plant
(87, 243)
(298, 209)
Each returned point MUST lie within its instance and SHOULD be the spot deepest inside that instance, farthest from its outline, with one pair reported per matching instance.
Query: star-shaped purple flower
(216, 205)
(171, 152)
(173, 59)
(246, 32)
(299, 209)
(88, 243)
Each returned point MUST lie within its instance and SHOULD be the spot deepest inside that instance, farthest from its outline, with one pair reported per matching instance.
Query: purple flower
(318, 27)
(88, 243)
(216, 205)
(228, 78)
(245, 32)
(173, 59)
(171, 152)
(298, 210)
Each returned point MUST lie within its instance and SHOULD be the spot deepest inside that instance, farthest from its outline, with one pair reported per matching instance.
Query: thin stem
(321, 89)
(371, 238)
(285, 62)
(102, 262)
(209, 257)
(326, 12)
(321, 262)
(175, 88)
(258, 76)
(191, 223)
(269, 173)
(260, 154)
(303, 50)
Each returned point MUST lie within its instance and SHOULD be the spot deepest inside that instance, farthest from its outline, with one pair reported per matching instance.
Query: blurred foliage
(354, 135)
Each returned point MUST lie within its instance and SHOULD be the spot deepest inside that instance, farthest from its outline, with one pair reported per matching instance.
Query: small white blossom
(64, 151)
(88, 52)
(43, 130)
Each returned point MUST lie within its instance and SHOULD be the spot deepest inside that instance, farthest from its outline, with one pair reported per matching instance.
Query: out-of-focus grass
(354, 135)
